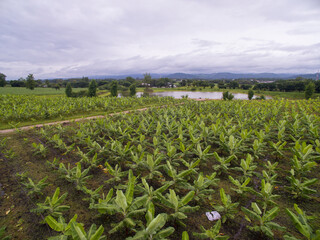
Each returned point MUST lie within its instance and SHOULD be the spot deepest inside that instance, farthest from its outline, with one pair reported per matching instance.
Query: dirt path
(68, 121)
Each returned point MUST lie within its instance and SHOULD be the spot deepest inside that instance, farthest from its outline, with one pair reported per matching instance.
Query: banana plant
(103, 202)
(116, 173)
(149, 192)
(178, 179)
(153, 228)
(247, 167)
(201, 186)
(39, 149)
(227, 209)
(223, 163)
(232, 145)
(262, 221)
(75, 175)
(178, 205)
(241, 187)
(87, 161)
(300, 187)
(120, 152)
(212, 233)
(52, 205)
(245, 134)
(54, 164)
(269, 178)
(302, 168)
(278, 147)
(203, 155)
(300, 221)
(153, 165)
(94, 195)
(266, 195)
(36, 188)
(79, 233)
(60, 226)
(185, 150)
(58, 142)
(125, 205)
(303, 152)
(171, 154)
(258, 148)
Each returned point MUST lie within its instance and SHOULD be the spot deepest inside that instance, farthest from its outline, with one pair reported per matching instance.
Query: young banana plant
(247, 167)
(178, 205)
(212, 233)
(93, 195)
(203, 155)
(278, 147)
(153, 165)
(172, 156)
(302, 168)
(201, 186)
(120, 152)
(153, 228)
(266, 195)
(303, 152)
(258, 148)
(87, 160)
(36, 188)
(75, 175)
(231, 145)
(60, 226)
(125, 205)
(262, 221)
(52, 205)
(103, 202)
(149, 192)
(241, 187)
(116, 173)
(300, 221)
(300, 187)
(39, 149)
(78, 232)
(178, 179)
(223, 163)
(228, 209)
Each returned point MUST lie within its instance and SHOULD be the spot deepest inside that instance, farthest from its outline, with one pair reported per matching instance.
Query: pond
(197, 95)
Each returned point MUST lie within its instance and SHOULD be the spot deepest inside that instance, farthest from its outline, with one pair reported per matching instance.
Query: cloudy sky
(65, 38)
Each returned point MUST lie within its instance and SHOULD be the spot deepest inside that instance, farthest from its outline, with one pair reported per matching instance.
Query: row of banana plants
(28, 108)
(172, 161)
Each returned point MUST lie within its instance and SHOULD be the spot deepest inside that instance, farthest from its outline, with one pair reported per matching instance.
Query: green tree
(31, 83)
(133, 90)
(69, 90)
(2, 80)
(92, 89)
(227, 96)
(250, 94)
(147, 78)
(114, 89)
(310, 88)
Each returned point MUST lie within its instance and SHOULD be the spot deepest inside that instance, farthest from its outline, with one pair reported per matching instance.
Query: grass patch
(36, 91)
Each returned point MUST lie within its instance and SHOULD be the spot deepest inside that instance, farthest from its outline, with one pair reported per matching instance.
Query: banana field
(165, 173)
(23, 108)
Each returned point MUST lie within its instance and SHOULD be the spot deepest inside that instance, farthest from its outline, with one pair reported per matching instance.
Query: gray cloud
(78, 37)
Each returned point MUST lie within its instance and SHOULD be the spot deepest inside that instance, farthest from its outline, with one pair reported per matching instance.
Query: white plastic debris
(212, 216)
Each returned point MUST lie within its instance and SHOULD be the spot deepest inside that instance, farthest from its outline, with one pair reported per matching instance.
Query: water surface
(197, 95)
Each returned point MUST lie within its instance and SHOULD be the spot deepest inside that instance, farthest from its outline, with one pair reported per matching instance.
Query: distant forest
(292, 85)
